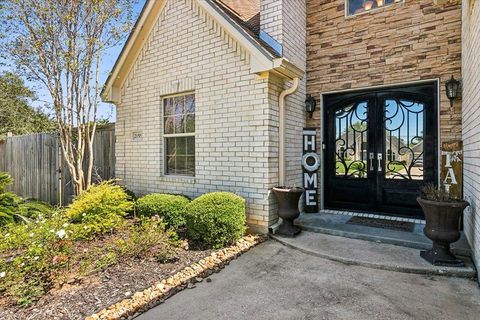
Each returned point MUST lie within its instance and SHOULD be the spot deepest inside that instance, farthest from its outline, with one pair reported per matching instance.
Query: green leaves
(171, 208)
(16, 113)
(216, 219)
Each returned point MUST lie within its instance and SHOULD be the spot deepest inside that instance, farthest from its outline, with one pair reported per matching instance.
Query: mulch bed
(81, 297)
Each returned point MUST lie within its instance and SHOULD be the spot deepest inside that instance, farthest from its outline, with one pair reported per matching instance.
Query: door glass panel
(351, 141)
(404, 135)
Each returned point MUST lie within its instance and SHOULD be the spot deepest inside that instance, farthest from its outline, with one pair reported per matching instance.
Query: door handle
(379, 157)
(372, 158)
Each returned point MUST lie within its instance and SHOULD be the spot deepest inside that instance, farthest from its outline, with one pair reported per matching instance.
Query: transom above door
(380, 148)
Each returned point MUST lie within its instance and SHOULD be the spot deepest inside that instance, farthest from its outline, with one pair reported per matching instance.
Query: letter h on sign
(310, 164)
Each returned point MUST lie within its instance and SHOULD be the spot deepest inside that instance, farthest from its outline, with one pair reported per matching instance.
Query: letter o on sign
(311, 161)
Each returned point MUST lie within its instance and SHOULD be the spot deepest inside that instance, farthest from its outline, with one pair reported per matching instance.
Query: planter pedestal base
(440, 255)
(288, 199)
(288, 229)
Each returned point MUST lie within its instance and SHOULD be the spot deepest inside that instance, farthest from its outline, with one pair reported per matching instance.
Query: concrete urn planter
(288, 199)
(443, 228)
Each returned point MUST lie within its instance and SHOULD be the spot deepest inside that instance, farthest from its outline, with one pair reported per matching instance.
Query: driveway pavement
(273, 281)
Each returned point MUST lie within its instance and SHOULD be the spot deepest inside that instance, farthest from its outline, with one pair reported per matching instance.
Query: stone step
(372, 255)
(336, 224)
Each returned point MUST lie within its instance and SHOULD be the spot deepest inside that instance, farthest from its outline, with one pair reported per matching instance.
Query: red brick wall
(404, 42)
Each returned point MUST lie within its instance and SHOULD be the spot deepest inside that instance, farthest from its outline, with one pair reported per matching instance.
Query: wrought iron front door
(380, 148)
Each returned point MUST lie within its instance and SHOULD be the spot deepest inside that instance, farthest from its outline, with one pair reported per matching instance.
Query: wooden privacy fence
(36, 164)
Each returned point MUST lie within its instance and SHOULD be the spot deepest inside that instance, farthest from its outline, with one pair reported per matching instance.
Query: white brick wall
(188, 51)
(236, 114)
(471, 120)
(285, 21)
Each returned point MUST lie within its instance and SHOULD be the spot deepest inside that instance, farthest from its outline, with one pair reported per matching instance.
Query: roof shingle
(247, 12)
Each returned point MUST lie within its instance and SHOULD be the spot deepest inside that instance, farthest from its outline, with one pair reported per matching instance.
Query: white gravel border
(148, 298)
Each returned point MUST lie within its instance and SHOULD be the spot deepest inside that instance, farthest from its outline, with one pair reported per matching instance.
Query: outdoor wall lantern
(310, 105)
(452, 86)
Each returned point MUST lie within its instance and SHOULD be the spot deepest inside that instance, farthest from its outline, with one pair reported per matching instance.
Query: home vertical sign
(310, 164)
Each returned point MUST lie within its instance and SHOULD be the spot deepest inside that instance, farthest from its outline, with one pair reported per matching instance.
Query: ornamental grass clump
(169, 207)
(216, 219)
(99, 209)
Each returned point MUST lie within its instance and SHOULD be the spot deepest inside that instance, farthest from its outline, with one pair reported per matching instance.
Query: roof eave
(261, 59)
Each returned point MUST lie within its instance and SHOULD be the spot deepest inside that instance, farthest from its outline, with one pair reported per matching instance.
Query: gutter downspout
(281, 130)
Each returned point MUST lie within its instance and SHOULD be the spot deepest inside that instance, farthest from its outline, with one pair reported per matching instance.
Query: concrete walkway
(273, 281)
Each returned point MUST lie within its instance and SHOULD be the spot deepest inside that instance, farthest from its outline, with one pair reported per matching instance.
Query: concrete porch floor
(370, 254)
(336, 225)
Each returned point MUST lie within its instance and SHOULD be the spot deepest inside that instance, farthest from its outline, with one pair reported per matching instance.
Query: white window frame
(177, 135)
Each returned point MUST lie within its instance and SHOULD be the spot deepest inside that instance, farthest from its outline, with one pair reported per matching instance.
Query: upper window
(179, 134)
(359, 6)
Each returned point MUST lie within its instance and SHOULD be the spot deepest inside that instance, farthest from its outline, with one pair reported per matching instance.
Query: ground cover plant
(13, 208)
(97, 250)
(40, 252)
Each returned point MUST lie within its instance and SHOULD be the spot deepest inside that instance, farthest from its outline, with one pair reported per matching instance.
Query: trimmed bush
(171, 208)
(101, 208)
(216, 219)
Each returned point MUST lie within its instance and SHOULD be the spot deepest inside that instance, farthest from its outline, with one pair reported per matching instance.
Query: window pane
(351, 140)
(170, 164)
(179, 104)
(190, 123)
(168, 127)
(181, 165)
(191, 166)
(181, 146)
(404, 128)
(190, 104)
(170, 146)
(359, 6)
(191, 146)
(168, 106)
(179, 125)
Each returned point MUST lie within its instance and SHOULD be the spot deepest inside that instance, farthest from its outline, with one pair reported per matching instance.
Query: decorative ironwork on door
(351, 144)
(380, 148)
(404, 137)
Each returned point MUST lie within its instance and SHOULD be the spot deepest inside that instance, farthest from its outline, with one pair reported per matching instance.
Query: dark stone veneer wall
(410, 41)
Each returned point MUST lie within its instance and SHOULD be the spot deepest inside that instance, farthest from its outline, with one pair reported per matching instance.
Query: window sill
(174, 178)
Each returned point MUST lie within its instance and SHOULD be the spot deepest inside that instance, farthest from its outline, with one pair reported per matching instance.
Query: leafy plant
(34, 209)
(171, 208)
(27, 257)
(431, 192)
(37, 255)
(100, 208)
(5, 180)
(9, 201)
(216, 219)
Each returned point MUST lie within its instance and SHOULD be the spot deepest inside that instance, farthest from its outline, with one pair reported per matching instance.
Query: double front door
(380, 148)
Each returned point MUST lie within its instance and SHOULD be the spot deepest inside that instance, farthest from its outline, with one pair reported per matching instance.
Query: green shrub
(34, 209)
(216, 219)
(8, 201)
(169, 207)
(5, 180)
(5, 218)
(99, 209)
